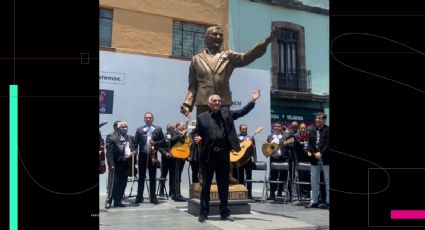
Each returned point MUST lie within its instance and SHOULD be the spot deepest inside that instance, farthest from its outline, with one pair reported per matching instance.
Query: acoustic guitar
(181, 149)
(241, 158)
(270, 148)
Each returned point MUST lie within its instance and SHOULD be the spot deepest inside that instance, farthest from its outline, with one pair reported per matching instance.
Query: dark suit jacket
(323, 145)
(141, 138)
(203, 125)
(168, 144)
(115, 147)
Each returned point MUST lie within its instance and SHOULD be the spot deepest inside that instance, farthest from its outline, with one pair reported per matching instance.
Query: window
(288, 58)
(188, 38)
(105, 27)
(287, 69)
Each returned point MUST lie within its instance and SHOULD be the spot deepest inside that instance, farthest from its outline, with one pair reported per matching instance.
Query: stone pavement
(173, 215)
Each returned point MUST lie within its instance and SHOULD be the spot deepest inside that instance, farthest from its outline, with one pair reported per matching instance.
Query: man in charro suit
(216, 129)
(110, 178)
(240, 172)
(210, 72)
(149, 139)
(119, 148)
(175, 133)
(280, 155)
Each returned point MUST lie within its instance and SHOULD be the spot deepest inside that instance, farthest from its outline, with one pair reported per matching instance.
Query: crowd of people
(124, 152)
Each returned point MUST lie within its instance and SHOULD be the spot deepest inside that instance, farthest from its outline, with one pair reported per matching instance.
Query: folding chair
(260, 165)
(301, 166)
(280, 166)
(160, 180)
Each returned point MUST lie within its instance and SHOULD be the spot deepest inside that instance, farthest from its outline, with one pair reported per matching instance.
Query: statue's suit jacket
(206, 78)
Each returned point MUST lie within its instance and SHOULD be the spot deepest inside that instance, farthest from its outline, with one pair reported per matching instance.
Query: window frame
(182, 30)
(111, 25)
(301, 82)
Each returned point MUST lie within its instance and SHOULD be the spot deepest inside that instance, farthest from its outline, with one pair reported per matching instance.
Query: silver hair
(210, 98)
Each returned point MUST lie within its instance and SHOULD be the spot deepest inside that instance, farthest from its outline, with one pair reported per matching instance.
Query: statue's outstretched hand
(273, 34)
(184, 110)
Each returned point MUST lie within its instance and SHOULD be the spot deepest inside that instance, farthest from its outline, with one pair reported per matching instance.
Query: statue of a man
(209, 74)
(210, 70)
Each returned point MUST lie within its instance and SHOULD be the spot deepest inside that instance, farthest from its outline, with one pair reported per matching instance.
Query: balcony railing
(290, 81)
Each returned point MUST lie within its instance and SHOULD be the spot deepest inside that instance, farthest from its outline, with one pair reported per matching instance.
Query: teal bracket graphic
(13, 160)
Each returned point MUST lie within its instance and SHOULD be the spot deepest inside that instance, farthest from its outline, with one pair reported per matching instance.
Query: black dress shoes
(312, 205)
(202, 219)
(178, 199)
(154, 200)
(323, 206)
(108, 204)
(119, 205)
(138, 200)
(229, 218)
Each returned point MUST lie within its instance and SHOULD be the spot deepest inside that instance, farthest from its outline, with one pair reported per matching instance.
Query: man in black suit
(240, 172)
(119, 148)
(148, 138)
(178, 135)
(110, 180)
(216, 129)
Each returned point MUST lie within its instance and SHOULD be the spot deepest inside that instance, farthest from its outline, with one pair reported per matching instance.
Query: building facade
(298, 60)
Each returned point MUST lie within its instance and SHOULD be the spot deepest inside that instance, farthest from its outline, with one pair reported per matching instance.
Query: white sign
(111, 77)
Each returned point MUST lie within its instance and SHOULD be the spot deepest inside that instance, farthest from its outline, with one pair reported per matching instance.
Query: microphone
(102, 124)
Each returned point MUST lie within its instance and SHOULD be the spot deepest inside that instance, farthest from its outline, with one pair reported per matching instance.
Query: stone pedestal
(237, 203)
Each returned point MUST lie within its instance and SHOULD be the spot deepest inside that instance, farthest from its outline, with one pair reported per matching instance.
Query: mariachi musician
(102, 164)
(246, 168)
(167, 162)
(278, 156)
(119, 151)
(110, 178)
(148, 138)
(178, 136)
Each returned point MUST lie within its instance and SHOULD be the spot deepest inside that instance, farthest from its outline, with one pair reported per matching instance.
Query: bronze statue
(210, 71)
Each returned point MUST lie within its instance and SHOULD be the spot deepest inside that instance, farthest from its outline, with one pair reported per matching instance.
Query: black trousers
(194, 165)
(178, 169)
(244, 172)
(220, 164)
(120, 180)
(109, 186)
(168, 165)
(143, 161)
(280, 175)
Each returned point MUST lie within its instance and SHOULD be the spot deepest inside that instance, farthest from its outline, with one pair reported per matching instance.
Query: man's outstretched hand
(255, 95)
